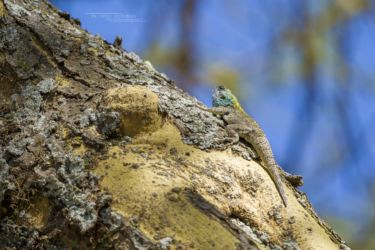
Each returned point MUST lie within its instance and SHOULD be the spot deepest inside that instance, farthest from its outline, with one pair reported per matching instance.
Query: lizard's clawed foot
(295, 180)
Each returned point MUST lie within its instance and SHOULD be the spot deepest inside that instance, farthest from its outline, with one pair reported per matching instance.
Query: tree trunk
(99, 150)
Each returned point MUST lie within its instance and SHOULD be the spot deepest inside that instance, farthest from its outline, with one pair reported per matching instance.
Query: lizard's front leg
(216, 110)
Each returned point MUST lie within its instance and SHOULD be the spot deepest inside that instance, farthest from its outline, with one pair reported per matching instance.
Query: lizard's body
(240, 125)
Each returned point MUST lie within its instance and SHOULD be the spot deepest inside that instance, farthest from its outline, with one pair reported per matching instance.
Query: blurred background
(304, 69)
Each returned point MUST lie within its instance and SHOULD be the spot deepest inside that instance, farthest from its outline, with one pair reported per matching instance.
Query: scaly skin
(241, 125)
(259, 141)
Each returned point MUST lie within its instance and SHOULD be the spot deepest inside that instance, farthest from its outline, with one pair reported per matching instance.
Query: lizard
(240, 125)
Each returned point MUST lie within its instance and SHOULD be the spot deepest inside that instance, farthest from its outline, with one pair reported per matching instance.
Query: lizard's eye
(222, 97)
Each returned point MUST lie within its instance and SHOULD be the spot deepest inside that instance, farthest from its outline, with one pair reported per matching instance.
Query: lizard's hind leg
(231, 138)
(235, 131)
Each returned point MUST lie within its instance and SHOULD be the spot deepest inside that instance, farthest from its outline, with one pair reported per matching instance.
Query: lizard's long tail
(273, 171)
(264, 151)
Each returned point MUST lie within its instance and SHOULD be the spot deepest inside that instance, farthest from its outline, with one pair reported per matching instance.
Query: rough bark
(99, 150)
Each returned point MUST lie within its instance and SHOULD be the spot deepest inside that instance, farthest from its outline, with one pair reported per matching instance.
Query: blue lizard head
(223, 97)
